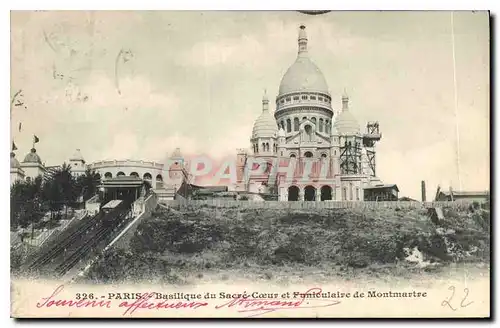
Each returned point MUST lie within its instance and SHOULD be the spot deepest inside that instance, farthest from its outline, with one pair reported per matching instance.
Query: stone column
(301, 194)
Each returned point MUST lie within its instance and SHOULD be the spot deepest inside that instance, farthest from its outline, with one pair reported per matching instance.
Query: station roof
(384, 186)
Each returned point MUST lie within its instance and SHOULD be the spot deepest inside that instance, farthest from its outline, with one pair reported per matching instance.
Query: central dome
(303, 75)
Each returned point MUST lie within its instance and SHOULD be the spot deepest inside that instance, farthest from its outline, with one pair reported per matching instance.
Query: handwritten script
(448, 302)
(242, 304)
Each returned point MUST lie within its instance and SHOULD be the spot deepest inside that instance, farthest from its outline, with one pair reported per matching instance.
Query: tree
(17, 190)
(26, 203)
(87, 184)
(61, 189)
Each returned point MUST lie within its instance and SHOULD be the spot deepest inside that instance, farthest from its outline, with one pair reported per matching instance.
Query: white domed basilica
(311, 150)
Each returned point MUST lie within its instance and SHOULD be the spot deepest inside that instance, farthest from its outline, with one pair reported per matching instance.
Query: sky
(195, 80)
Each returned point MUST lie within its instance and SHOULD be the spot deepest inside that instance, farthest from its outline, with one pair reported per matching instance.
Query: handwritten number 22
(447, 302)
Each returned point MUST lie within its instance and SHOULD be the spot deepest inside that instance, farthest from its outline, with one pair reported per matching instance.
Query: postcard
(250, 164)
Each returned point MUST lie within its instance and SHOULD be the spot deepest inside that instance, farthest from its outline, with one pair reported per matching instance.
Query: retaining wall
(123, 239)
(225, 203)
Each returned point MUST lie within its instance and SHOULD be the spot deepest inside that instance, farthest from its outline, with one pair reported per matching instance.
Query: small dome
(32, 157)
(346, 123)
(176, 153)
(14, 163)
(77, 156)
(281, 132)
(265, 126)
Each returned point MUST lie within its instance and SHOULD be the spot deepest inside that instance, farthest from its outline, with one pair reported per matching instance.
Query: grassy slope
(171, 245)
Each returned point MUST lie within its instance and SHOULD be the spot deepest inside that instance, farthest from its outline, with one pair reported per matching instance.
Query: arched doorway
(309, 193)
(293, 193)
(326, 193)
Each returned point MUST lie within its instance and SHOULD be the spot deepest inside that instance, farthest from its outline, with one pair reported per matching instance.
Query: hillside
(183, 246)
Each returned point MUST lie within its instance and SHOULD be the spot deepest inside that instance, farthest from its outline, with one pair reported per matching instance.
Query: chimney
(423, 191)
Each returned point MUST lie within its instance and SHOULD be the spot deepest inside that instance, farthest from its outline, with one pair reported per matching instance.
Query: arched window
(308, 130)
(308, 154)
(288, 125)
(263, 146)
(313, 120)
(357, 193)
(147, 176)
(256, 147)
(344, 193)
(108, 175)
(120, 174)
(296, 98)
(296, 124)
(323, 155)
(304, 118)
(320, 125)
(267, 146)
(292, 156)
(304, 97)
(282, 124)
(134, 174)
(159, 181)
(327, 126)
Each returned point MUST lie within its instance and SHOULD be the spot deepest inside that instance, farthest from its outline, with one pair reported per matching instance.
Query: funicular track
(80, 242)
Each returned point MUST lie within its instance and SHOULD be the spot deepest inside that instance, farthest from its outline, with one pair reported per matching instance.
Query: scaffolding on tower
(350, 156)
(370, 138)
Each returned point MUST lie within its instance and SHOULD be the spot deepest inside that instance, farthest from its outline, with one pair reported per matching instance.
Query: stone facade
(320, 152)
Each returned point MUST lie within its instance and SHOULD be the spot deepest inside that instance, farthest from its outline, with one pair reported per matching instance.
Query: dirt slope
(209, 239)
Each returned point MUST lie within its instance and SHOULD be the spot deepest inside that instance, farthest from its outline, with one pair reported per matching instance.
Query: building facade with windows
(326, 154)
(164, 179)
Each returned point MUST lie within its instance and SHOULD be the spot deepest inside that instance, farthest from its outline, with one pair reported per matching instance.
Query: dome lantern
(302, 41)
